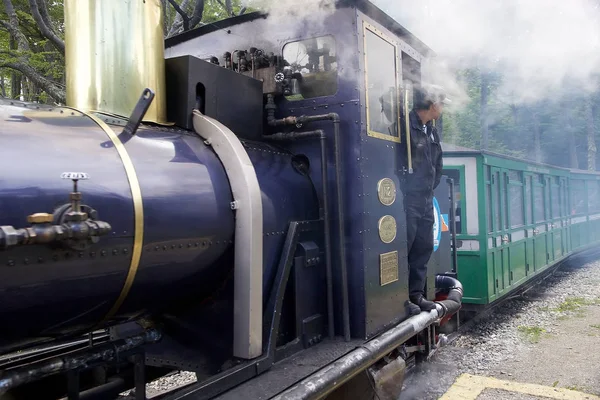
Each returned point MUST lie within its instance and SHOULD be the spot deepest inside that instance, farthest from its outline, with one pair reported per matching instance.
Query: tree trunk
(537, 142)
(483, 111)
(2, 87)
(591, 137)
(566, 120)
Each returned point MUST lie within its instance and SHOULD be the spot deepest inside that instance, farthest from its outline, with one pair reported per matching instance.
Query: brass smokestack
(114, 50)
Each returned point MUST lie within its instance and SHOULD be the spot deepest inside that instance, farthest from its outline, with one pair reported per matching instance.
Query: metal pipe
(335, 118)
(325, 212)
(332, 376)
(455, 292)
(248, 251)
(110, 389)
(48, 367)
(407, 121)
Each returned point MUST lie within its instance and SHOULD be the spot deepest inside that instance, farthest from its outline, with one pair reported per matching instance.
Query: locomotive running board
(247, 203)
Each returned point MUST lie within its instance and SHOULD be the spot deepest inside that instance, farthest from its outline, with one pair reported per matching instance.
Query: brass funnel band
(114, 50)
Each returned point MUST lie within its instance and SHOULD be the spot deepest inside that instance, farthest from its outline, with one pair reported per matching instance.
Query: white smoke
(296, 14)
(538, 45)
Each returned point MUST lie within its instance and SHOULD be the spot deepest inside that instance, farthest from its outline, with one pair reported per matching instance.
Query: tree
(32, 48)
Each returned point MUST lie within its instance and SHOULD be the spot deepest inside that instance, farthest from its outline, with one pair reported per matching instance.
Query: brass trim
(388, 229)
(388, 268)
(138, 209)
(386, 191)
(408, 141)
(371, 28)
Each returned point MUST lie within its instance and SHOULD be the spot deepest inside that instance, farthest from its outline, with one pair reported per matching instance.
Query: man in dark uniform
(426, 153)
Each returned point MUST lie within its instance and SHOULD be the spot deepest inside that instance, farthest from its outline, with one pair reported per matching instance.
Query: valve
(75, 214)
(69, 224)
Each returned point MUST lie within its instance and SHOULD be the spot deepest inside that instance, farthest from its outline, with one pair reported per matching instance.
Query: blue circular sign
(437, 224)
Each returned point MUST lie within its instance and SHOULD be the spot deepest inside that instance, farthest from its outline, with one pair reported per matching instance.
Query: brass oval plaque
(387, 229)
(386, 190)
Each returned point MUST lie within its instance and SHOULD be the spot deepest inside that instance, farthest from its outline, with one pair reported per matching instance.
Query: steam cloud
(538, 45)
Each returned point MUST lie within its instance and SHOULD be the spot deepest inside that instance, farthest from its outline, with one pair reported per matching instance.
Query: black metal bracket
(138, 112)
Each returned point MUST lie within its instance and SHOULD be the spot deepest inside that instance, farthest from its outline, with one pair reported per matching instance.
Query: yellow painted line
(469, 387)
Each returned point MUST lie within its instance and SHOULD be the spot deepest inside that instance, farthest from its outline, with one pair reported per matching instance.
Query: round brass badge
(386, 191)
(387, 229)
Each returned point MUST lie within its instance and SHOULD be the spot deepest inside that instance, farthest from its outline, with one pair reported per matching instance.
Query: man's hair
(425, 96)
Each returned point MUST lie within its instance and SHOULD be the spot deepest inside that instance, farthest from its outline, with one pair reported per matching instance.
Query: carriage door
(564, 213)
(499, 237)
(539, 219)
(552, 219)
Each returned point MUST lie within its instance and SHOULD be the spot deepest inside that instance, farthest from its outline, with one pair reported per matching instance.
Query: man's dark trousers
(419, 221)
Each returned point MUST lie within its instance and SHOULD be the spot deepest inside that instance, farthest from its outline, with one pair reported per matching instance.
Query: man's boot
(412, 308)
(422, 302)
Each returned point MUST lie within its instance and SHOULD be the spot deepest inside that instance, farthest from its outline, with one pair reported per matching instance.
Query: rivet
(156, 248)
(10, 263)
(164, 247)
(115, 252)
(172, 246)
(93, 254)
(125, 251)
(103, 253)
(26, 261)
(40, 260)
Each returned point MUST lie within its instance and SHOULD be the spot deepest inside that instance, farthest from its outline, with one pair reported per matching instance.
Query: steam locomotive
(227, 202)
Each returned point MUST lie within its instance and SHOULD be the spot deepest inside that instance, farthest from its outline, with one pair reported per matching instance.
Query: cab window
(382, 96)
(311, 67)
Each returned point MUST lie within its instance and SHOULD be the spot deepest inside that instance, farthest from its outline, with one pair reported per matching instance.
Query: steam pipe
(335, 119)
(324, 210)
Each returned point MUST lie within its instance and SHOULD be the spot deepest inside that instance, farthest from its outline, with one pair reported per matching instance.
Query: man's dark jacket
(426, 155)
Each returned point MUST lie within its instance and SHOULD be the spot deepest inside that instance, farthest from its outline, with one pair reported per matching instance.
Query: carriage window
(517, 217)
(458, 200)
(578, 196)
(528, 203)
(310, 66)
(594, 202)
(381, 83)
(538, 194)
(555, 199)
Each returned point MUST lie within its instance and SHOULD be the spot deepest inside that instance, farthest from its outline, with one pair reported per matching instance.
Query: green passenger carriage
(516, 220)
